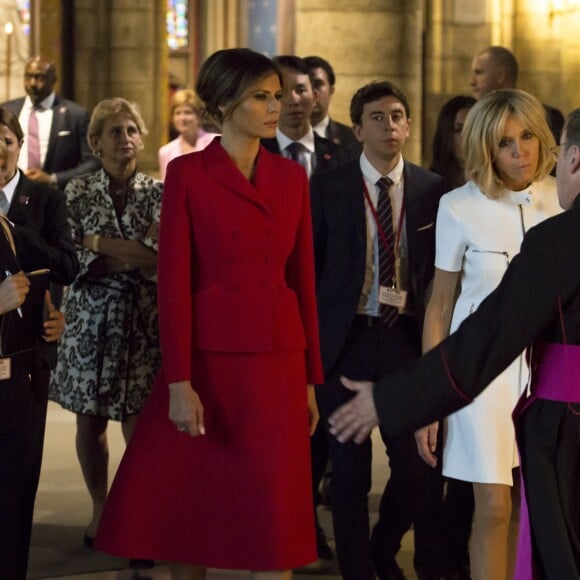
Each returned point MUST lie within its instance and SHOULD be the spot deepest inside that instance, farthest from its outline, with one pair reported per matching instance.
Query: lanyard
(380, 229)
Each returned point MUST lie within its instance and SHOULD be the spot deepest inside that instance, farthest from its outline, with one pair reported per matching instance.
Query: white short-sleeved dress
(478, 237)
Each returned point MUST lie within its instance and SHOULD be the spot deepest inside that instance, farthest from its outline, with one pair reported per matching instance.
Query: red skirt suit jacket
(241, 261)
(238, 318)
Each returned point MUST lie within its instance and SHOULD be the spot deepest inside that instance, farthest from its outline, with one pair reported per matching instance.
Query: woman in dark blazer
(226, 427)
(23, 397)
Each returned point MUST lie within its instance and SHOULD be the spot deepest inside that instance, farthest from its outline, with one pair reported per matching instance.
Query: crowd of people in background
(225, 309)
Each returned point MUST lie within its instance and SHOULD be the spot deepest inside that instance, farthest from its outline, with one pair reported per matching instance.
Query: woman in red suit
(218, 471)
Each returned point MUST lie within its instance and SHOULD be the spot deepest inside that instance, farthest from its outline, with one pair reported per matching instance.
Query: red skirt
(239, 497)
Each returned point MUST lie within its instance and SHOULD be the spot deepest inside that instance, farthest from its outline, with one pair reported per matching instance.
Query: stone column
(455, 31)
(367, 40)
(547, 47)
(121, 51)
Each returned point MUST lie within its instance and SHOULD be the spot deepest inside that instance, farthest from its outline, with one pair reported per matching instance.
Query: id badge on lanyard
(390, 295)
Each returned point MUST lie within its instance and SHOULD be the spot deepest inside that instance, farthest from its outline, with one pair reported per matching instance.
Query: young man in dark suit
(536, 305)
(55, 147)
(323, 83)
(369, 326)
(295, 137)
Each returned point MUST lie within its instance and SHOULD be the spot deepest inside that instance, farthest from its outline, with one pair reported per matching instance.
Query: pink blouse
(173, 149)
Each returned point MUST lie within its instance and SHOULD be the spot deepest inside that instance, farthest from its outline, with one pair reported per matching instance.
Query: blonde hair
(185, 97)
(109, 109)
(483, 131)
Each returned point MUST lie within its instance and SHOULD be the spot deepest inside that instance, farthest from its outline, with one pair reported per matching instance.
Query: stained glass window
(23, 7)
(177, 24)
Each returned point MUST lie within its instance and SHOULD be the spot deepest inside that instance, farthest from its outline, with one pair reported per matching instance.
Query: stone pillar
(547, 48)
(367, 40)
(14, 51)
(455, 31)
(121, 51)
(48, 32)
(221, 26)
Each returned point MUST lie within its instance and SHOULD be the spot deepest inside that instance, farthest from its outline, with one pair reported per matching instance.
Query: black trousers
(22, 422)
(412, 494)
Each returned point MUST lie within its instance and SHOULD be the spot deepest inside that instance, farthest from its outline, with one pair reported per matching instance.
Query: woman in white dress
(480, 226)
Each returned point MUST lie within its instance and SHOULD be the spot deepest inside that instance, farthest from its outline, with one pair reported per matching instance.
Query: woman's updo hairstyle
(224, 78)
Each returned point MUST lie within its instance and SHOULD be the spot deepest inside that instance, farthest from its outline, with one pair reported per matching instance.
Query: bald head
(493, 68)
(39, 78)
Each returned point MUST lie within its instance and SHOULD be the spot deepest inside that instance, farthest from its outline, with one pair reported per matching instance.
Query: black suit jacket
(524, 307)
(326, 154)
(42, 236)
(342, 135)
(68, 153)
(339, 225)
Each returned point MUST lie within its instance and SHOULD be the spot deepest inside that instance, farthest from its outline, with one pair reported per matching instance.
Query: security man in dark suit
(55, 147)
(295, 137)
(323, 83)
(374, 224)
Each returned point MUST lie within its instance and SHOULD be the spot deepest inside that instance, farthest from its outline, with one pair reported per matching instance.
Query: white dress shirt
(307, 142)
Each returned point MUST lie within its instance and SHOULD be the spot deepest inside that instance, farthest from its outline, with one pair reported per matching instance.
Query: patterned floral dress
(109, 352)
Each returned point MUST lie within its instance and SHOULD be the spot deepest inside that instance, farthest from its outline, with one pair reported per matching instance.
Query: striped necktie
(296, 151)
(389, 314)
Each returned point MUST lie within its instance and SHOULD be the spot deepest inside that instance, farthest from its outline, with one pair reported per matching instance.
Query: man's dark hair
(313, 62)
(373, 92)
(293, 62)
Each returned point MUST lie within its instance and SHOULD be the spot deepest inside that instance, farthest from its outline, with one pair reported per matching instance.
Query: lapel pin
(24, 199)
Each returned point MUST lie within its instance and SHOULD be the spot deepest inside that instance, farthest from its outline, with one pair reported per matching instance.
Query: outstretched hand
(357, 418)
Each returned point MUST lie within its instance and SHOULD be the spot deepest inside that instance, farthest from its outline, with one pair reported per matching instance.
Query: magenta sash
(555, 377)
(557, 374)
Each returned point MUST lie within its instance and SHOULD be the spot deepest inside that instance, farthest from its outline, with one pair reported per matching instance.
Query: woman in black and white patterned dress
(109, 353)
